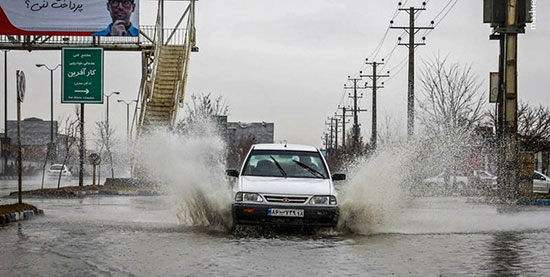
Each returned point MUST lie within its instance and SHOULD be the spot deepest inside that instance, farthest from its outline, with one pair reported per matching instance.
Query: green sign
(82, 76)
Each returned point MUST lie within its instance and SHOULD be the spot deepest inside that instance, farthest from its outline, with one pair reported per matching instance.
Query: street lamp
(109, 95)
(51, 102)
(128, 103)
(5, 108)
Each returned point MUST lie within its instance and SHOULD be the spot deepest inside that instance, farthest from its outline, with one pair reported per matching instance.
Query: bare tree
(533, 126)
(389, 131)
(106, 142)
(69, 141)
(203, 106)
(46, 158)
(451, 101)
(202, 109)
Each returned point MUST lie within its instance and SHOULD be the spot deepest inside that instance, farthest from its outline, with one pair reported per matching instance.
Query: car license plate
(285, 212)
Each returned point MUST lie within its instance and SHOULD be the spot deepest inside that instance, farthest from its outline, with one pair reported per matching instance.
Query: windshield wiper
(279, 166)
(309, 169)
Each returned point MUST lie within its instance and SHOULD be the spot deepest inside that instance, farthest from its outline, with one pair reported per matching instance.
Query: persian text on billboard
(70, 17)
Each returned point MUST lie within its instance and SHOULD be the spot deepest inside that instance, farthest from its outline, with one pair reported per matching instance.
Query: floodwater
(141, 236)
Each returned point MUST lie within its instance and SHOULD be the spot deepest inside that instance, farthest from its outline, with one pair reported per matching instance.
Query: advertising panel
(70, 17)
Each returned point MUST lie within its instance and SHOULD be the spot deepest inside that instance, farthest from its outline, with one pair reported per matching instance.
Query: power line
(444, 16)
(377, 50)
(402, 64)
(442, 10)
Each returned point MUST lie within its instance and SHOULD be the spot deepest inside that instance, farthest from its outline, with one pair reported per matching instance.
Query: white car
(55, 169)
(440, 181)
(485, 180)
(541, 183)
(285, 184)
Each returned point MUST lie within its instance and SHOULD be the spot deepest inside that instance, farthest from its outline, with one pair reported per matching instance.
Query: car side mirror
(338, 177)
(232, 172)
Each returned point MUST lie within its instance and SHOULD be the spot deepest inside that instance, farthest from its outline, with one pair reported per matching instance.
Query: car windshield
(293, 164)
(56, 167)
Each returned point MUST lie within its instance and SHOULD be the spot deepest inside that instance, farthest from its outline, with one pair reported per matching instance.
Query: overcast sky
(287, 61)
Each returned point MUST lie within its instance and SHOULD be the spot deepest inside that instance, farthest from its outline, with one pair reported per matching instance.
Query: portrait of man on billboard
(121, 11)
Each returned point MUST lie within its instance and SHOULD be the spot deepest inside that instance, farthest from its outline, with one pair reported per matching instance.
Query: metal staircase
(164, 80)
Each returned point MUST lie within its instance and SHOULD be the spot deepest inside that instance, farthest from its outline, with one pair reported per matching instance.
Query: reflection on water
(505, 251)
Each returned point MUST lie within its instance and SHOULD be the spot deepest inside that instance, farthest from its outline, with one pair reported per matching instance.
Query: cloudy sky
(287, 61)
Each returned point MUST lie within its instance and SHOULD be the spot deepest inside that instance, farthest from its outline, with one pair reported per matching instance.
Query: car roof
(289, 147)
(536, 171)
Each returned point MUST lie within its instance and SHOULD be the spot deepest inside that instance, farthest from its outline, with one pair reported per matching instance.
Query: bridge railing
(147, 33)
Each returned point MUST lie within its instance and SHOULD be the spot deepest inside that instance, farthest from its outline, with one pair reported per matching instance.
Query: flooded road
(125, 236)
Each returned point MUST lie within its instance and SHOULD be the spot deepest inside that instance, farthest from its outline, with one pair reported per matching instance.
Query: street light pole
(128, 139)
(50, 148)
(5, 106)
(128, 103)
(107, 121)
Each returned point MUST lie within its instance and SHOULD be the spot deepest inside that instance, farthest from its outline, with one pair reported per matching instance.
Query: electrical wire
(377, 49)
(398, 71)
(444, 16)
(442, 10)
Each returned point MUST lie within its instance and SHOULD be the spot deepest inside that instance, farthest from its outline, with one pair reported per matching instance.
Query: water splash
(373, 195)
(386, 194)
(190, 168)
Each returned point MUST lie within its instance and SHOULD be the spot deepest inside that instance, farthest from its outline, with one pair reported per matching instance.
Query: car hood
(286, 186)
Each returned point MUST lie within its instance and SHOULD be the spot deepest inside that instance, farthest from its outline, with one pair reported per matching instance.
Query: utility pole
(374, 77)
(511, 156)
(331, 137)
(343, 117)
(356, 109)
(412, 30)
(335, 134)
(326, 142)
(508, 17)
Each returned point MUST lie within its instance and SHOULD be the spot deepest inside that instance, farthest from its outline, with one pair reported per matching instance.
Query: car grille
(285, 199)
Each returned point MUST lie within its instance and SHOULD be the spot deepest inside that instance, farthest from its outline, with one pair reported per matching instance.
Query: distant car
(541, 183)
(55, 169)
(453, 182)
(280, 184)
(485, 180)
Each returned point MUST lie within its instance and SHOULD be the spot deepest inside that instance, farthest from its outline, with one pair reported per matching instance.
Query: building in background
(262, 132)
(240, 136)
(35, 137)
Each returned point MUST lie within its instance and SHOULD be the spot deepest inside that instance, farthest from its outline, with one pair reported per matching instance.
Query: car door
(540, 183)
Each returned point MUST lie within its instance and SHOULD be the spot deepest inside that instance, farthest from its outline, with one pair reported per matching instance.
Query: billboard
(70, 17)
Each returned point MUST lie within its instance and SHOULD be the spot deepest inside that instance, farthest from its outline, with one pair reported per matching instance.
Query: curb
(18, 216)
(85, 193)
(536, 202)
(108, 192)
(115, 193)
(147, 193)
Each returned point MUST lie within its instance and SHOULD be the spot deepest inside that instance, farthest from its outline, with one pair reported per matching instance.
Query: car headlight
(248, 197)
(323, 200)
